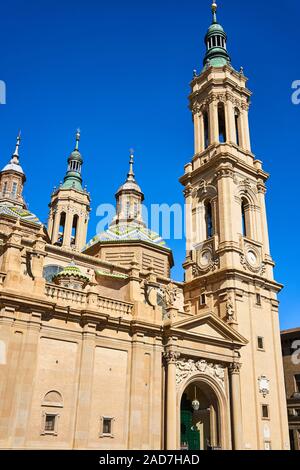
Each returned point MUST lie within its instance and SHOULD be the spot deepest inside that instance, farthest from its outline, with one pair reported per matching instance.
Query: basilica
(100, 348)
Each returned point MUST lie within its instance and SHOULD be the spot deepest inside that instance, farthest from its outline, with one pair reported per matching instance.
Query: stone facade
(101, 349)
(290, 342)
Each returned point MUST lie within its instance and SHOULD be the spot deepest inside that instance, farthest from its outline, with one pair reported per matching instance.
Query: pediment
(210, 326)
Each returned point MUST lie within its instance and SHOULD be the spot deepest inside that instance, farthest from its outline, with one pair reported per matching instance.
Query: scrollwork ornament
(235, 367)
(185, 368)
(170, 357)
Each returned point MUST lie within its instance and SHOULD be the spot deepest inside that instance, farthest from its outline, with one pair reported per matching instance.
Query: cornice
(220, 158)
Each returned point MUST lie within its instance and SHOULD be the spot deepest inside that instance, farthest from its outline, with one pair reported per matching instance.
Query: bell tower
(228, 266)
(70, 206)
(12, 179)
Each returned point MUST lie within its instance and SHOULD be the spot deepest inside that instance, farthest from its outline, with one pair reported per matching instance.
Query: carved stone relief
(185, 368)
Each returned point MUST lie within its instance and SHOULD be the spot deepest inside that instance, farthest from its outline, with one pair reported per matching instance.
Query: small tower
(128, 239)
(12, 179)
(129, 198)
(228, 266)
(70, 206)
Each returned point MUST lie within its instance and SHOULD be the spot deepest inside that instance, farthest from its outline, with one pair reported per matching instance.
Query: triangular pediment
(210, 326)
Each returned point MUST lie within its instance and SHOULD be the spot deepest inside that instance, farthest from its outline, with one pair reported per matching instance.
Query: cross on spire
(130, 175)
(77, 139)
(16, 152)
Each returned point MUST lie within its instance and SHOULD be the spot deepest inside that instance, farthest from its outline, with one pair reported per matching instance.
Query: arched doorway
(199, 418)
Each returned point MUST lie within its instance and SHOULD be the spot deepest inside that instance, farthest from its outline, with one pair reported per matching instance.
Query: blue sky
(121, 71)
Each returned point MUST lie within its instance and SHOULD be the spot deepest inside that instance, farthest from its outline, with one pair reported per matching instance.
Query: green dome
(215, 41)
(75, 155)
(215, 28)
(72, 271)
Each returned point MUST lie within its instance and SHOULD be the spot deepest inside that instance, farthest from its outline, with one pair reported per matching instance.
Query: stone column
(25, 380)
(230, 123)
(68, 228)
(83, 407)
(196, 133)
(12, 263)
(53, 231)
(188, 218)
(245, 128)
(235, 405)
(171, 400)
(263, 218)
(37, 263)
(213, 123)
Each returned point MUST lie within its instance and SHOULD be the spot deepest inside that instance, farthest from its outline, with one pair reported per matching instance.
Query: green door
(190, 436)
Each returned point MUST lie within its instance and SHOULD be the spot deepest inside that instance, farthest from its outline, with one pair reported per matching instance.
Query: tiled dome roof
(127, 232)
(19, 212)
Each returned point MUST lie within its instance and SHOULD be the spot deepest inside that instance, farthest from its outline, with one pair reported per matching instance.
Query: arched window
(50, 271)
(206, 129)
(208, 220)
(51, 404)
(5, 188)
(14, 189)
(53, 398)
(245, 218)
(237, 117)
(74, 230)
(61, 232)
(222, 124)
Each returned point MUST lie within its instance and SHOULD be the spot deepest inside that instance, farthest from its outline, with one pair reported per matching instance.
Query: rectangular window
(268, 445)
(258, 299)
(50, 422)
(265, 412)
(297, 383)
(202, 300)
(14, 189)
(260, 342)
(292, 440)
(106, 428)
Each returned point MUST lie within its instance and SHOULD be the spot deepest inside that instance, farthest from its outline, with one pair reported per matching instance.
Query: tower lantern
(70, 206)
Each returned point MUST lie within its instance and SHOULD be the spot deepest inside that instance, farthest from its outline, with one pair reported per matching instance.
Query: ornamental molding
(260, 268)
(199, 270)
(171, 357)
(235, 368)
(186, 368)
(201, 101)
(264, 385)
(224, 172)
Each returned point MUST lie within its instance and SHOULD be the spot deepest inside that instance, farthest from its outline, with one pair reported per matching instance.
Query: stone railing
(114, 307)
(65, 295)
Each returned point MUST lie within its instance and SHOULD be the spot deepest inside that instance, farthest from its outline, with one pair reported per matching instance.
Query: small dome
(215, 28)
(13, 167)
(19, 212)
(127, 232)
(71, 270)
(129, 185)
(76, 155)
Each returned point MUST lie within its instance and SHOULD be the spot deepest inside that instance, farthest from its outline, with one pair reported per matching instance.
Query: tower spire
(130, 175)
(215, 40)
(73, 179)
(214, 12)
(77, 139)
(16, 152)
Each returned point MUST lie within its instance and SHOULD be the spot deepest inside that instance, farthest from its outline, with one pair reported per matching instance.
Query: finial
(16, 152)
(214, 11)
(131, 162)
(77, 139)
